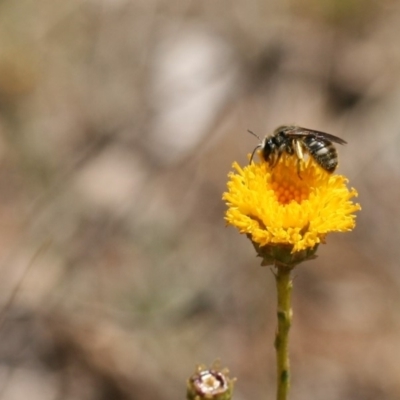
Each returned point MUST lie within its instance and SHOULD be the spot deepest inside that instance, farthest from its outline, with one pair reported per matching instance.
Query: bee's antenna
(254, 152)
(248, 130)
(257, 147)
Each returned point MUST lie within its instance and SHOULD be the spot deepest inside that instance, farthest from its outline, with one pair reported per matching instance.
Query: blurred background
(119, 122)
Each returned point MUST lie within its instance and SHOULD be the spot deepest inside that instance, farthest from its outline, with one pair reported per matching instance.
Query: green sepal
(281, 255)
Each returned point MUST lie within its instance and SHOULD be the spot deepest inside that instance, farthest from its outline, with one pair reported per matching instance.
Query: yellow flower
(284, 206)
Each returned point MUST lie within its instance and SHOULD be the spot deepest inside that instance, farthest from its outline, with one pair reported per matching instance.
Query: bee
(295, 140)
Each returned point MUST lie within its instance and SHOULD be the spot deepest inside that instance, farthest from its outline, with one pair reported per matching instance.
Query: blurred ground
(119, 121)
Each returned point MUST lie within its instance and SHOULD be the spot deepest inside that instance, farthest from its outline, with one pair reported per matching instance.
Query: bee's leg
(299, 153)
(277, 157)
(298, 169)
(272, 160)
(298, 149)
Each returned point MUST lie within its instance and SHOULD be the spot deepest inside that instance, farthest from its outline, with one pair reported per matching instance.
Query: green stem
(284, 288)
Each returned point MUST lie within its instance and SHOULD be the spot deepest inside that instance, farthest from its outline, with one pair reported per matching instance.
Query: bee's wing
(302, 132)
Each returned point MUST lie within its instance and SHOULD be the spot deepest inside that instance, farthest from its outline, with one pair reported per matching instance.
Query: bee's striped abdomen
(323, 151)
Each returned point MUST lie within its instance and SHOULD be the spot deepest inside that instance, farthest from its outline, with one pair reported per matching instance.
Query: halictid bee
(294, 140)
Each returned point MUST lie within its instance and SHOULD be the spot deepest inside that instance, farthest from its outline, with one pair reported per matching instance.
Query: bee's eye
(266, 151)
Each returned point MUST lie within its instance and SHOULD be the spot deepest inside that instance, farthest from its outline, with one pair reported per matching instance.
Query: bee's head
(267, 147)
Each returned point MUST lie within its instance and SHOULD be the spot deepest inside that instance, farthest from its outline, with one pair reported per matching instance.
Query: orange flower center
(286, 191)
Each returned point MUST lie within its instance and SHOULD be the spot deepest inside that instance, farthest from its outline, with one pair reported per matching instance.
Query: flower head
(211, 383)
(293, 205)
